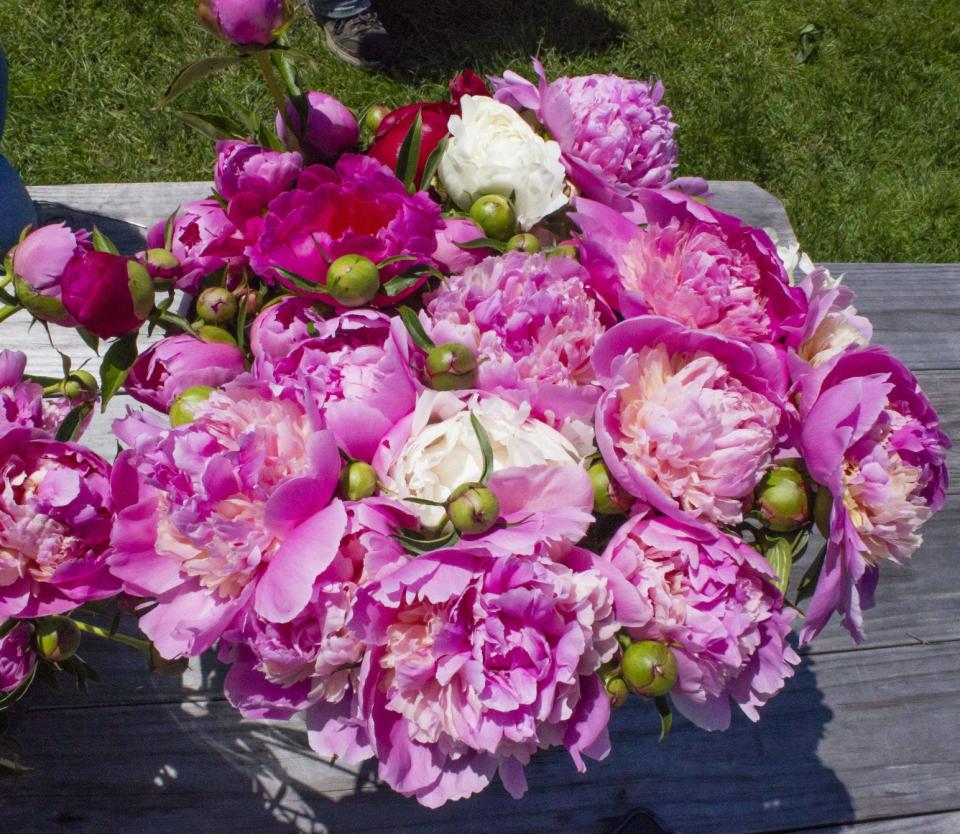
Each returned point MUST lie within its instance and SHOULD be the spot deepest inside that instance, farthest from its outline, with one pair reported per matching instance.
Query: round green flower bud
(375, 115)
(783, 500)
(822, 508)
(494, 214)
(649, 668)
(609, 498)
(353, 280)
(617, 691)
(141, 289)
(209, 333)
(161, 259)
(358, 480)
(56, 638)
(80, 385)
(525, 242)
(566, 250)
(216, 305)
(183, 407)
(43, 307)
(473, 509)
(451, 367)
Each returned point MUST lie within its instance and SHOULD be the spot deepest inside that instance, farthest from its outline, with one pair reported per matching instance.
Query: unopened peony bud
(525, 242)
(160, 263)
(451, 367)
(649, 668)
(38, 263)
(565, 250)
(375, 115)
(353, 280)
(495, 215)
(183, 408)
(216, 305)
(358, 480)
(783, 500)
(609, 498)
(244, 21)
(473, 509)
(57, 638)
(80, 385)
(211, 333)
(109, 295)
(617, 691)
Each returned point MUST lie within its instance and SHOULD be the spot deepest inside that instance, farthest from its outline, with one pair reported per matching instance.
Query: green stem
(276, 91)
(133, 642)
(8, 310)
(6, 279)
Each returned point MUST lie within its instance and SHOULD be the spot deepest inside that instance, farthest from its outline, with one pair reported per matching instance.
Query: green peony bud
(216, 305)
(374, 115)
(43, 307)
(80, 385)
(183, 408)
(473, 509)
(609, 498)
(161, 259)
(649, 668)
(525, 242)
(353, 280)
(57, 638)
(566, 250)
(209, 333)
(617, 691)
(358, 480)
(451, 367)
(141, 289)
(495, 215)
(783, 500)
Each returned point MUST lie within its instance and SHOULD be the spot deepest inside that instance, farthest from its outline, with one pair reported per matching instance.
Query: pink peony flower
(17, 657)
(708, 595)
(476, 662)
(248, 21)
(347, 367)
(38, 266)
(21, 401)
(692, 264)
(232, 511)
(243, 168)
(689, 421)
(448, 255)
(359, 207)
(533, 324)
(170, 366)
(109, 295)
(331, 128)
(55, 520)
(872, 439)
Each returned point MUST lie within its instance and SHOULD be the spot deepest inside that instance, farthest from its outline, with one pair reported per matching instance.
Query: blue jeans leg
(339, 9)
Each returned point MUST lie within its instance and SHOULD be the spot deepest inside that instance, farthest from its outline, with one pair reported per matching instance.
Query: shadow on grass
(436, 38)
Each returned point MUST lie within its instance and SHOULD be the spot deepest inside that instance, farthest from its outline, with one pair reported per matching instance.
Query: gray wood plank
(948, 823)
(847, 740)
(753, 205)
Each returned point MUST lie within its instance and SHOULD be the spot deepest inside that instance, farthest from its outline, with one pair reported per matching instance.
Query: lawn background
(862, 143)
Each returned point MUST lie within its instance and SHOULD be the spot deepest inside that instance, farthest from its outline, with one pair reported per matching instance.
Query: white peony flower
(492, 150)
(443, 451)
(792, 258)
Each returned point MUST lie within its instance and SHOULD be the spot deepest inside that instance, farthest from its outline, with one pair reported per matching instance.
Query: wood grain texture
(948, 823)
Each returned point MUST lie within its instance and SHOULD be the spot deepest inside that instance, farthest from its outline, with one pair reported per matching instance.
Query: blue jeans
(339, 9)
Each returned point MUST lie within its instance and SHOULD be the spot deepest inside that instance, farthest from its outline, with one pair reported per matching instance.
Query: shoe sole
(345, 56)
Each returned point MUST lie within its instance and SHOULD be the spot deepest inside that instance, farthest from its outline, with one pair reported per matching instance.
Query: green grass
(862, 143)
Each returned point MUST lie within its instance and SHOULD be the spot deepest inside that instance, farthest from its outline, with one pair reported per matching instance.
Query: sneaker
(360, 40)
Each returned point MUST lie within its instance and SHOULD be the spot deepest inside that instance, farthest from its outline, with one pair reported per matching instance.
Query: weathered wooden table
(864, 740)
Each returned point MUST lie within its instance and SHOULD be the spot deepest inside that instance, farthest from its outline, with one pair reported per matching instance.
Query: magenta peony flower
(204, 241)
(347, 366)
(107, 294)
(243, 168)
(17, 657)
(451, 258)
(615, 135)
(170, 366)
(331, 128)
(38, 266)
(359, 208)
(55, 519)
(475, 663)
(872, 439)
(21, 401)
(533, 324)
(692, 264)
(232, 511)
(708, 595)
(248, 21)
(689, 421)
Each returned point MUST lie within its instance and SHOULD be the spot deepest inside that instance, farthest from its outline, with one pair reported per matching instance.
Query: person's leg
(353, 31)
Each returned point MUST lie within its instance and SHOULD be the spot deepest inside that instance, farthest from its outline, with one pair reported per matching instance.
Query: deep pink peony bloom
(475, 663)
(169, 367)
(248, 21)
(348, 367)
(232, 511)
(55, 520)
(40, 260)
(871, 438)
(17, 657)
(243, 168)
(331, 128)
(205, 240)
(448, 255)
(533, 323)
(689, 420)
(358, 207)
(693, 264)
(709, 595)
(22, 402)
(615, 135)
(107, 294)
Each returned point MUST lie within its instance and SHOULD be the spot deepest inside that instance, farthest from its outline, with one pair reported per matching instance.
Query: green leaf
(425, 502)
(299, 282)
(72, 425)
(414, 543)
(807, 46)
(484, 243)
(89, 339)
(397, 285)
(666, 715)
(779, 553)
(484, 439)
(419, 336)
(101, 243)
(433, 162)
(808, 582)
(192, 73)
(395, 259)
(408, 160)
(241, 332)
(115, 366)
(212, 125)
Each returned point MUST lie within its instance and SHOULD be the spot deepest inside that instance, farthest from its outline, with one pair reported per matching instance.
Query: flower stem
(133, 642)
(276, 91)
(8, 310)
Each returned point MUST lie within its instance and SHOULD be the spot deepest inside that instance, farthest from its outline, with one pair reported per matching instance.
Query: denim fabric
(338, 9)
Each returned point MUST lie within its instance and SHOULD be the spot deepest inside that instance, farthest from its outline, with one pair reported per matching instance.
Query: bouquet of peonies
(464, 427)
